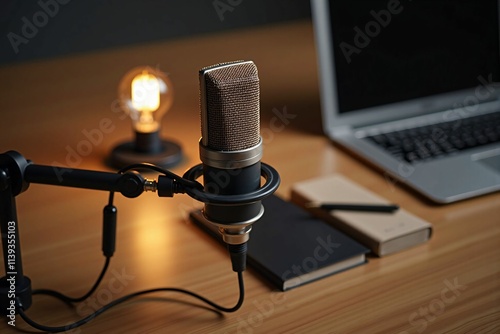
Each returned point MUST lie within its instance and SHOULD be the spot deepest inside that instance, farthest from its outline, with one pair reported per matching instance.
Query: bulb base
(149, 142)
(147, 147)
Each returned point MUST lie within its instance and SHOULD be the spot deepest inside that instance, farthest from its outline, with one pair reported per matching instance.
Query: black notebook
(290, 248)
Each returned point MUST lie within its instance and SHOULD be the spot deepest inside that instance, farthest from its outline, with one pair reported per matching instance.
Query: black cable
(128, 297)
(111, 197)
(68, 299)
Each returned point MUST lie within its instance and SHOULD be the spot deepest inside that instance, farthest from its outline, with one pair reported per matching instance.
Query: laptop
(413, 87)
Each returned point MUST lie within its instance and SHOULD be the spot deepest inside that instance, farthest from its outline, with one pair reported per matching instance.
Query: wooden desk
(48, 106)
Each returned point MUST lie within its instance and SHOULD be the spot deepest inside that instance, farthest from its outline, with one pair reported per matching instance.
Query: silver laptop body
(366, 92)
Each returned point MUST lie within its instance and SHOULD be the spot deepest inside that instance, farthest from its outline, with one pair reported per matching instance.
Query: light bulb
(145, 94)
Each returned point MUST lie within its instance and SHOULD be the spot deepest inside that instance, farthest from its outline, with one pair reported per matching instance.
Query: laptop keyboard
(436, 140)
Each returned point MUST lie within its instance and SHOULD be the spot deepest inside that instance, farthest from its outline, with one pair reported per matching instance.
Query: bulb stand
(147, 147)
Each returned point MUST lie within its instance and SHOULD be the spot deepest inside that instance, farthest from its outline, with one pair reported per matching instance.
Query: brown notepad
(383, 233)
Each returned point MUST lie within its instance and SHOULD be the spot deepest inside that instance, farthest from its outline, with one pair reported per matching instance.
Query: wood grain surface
(450, 284)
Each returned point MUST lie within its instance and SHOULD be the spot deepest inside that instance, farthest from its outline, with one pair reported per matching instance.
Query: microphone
(231, 150)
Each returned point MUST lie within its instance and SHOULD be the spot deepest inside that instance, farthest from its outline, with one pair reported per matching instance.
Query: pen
(389, 208)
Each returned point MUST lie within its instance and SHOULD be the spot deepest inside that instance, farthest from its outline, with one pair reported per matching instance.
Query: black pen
(388, 208)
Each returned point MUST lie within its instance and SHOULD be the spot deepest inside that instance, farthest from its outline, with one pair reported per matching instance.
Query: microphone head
(230, 111)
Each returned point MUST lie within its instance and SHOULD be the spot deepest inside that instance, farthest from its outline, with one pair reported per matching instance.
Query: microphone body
(232, 182)
(231, 146)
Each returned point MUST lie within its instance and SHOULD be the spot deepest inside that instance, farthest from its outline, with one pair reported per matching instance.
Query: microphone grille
(230, 106)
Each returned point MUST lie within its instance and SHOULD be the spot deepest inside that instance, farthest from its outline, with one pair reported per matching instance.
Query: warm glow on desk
(154, 241)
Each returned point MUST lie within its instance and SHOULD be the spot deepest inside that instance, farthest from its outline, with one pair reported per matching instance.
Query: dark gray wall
(33, 29)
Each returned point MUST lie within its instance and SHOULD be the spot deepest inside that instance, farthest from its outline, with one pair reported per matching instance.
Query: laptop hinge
(340, 131)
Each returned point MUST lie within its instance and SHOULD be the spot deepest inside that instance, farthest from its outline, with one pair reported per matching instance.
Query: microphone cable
(70, 300)
(108, 250)
(87, 319)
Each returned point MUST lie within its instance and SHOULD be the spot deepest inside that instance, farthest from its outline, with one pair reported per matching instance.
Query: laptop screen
(390, 51)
